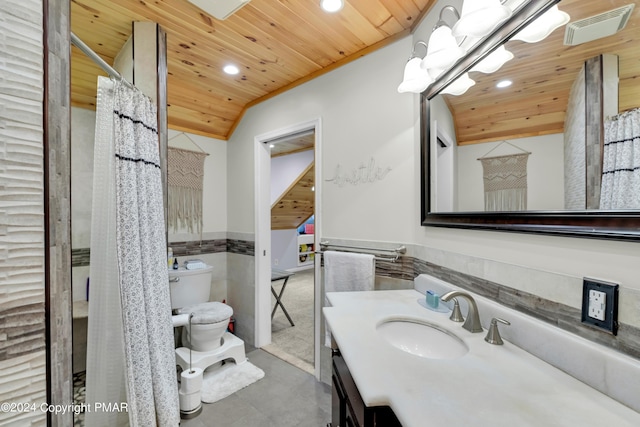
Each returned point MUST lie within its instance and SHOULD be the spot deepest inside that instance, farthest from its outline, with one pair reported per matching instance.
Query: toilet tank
(192, 286)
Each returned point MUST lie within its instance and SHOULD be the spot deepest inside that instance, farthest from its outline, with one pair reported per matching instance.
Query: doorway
(279, 250)
(445, 170)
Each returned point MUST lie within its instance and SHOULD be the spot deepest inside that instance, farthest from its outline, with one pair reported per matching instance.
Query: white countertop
(489, 386)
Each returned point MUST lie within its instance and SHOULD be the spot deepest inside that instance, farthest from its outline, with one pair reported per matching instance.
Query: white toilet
(208, 341)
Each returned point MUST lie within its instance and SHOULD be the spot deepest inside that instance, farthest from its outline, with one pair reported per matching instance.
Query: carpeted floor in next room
(294, 343)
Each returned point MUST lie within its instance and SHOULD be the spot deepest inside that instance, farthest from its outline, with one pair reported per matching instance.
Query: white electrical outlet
(597, 304)
(275, 261)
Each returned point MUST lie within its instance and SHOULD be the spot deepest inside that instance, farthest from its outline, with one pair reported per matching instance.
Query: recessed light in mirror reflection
(504, 83)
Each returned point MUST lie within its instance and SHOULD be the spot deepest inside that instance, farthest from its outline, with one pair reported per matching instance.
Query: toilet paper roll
(189, 402)
(191, 381)
(180, 320)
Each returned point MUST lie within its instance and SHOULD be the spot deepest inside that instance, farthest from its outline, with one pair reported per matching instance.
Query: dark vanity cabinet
(348, 409)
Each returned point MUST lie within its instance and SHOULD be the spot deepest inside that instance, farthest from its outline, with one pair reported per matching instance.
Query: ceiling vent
(220, 9)
(598, 26)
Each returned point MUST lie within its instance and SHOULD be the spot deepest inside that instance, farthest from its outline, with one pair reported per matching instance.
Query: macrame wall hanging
(505, 180)
(185, 178)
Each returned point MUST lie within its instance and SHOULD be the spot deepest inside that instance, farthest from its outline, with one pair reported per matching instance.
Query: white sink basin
(422, 339)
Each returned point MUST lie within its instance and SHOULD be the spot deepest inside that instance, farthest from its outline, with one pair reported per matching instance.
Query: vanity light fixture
(459, 85)
(231, 69)
(443, 50)
(331, 6)
(492, 62)
(504, 83)
(448, 43)
(416, 79)
(480, 17)
(543, 26)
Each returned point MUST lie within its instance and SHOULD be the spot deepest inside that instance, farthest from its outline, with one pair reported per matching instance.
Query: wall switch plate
(600, 304)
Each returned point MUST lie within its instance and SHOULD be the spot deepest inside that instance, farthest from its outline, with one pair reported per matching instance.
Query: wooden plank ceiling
(296, 204)
(542, 75)
(281, 44)
(276, 44)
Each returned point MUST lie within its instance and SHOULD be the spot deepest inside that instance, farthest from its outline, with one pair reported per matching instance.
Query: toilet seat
(207, 312)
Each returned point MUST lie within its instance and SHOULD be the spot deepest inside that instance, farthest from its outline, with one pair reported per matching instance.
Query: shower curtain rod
(75, 40)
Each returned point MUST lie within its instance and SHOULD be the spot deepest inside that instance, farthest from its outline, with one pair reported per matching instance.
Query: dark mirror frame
(601, 224)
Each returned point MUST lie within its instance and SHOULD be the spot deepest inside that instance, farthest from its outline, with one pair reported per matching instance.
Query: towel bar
(324, 245)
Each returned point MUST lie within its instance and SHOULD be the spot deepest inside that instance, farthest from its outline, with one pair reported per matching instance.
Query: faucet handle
(456, 314)
(493, 336)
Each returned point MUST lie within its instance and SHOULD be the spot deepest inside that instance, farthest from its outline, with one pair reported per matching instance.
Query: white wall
(284, 249)
(545, 171)
(366, 126)
(366, 118)
(83, 125)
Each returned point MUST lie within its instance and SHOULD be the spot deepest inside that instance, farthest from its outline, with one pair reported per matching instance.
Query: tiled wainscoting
(561, 315)
(408, 267)
(516, 287)
(80, 257)
(196, 247)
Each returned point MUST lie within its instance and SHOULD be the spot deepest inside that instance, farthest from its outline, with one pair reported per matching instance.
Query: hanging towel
(344, 271)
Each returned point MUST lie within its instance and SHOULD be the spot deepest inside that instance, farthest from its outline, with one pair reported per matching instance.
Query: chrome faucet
(472, 324)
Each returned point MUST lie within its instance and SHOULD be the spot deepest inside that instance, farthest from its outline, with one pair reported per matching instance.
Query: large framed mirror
(536, 115)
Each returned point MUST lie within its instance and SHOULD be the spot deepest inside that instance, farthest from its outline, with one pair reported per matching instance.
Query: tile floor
(285, 397)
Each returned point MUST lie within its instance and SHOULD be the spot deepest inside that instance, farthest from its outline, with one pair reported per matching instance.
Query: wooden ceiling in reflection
(542, 75)
(276, 44)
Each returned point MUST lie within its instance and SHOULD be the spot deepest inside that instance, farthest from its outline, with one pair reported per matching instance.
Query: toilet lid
(207, 312)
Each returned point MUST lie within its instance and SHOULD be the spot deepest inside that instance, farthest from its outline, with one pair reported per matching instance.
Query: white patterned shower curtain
(130, 352)
(621, 162)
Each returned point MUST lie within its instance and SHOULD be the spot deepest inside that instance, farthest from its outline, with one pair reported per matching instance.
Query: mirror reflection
(526, 145)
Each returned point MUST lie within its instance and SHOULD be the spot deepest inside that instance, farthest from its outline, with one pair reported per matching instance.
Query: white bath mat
(228, 379)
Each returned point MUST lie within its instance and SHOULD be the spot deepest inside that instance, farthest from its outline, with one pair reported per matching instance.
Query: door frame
(262, 193)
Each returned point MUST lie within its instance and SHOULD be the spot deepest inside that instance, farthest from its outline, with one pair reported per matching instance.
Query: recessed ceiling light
(231, 69)
(331, 6)
(271, 146)
(504, 83)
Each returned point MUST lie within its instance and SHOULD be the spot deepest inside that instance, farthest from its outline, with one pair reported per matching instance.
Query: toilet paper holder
(190, 388)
